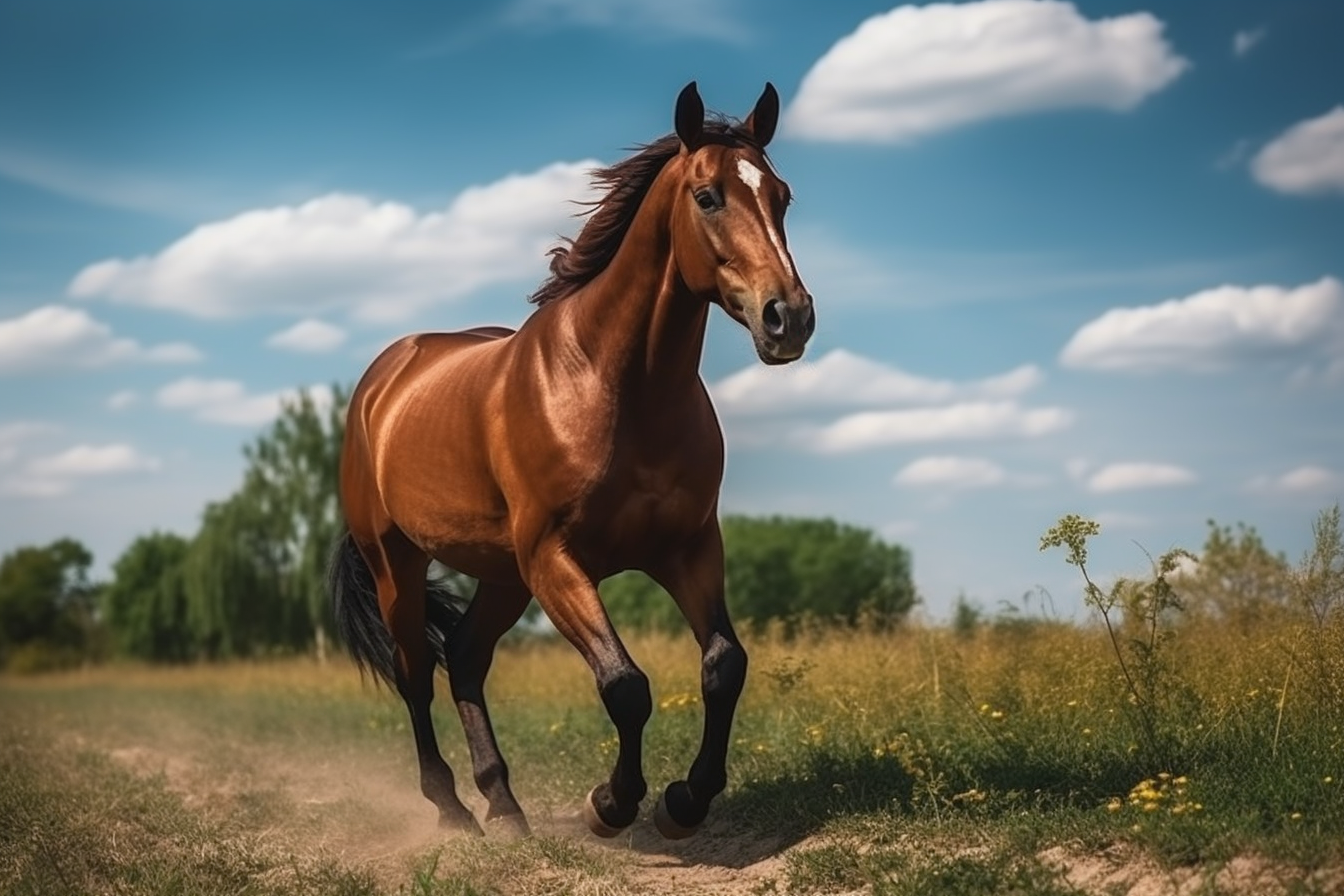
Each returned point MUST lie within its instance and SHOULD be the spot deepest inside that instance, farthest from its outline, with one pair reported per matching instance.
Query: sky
(1066, 257)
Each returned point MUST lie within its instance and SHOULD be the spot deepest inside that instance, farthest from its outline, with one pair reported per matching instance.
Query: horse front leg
(696, 582)
(570, 600)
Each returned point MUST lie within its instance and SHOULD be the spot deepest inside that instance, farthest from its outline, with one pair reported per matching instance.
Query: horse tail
(360, 624)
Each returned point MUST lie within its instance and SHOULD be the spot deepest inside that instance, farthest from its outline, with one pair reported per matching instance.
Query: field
(1009, 758)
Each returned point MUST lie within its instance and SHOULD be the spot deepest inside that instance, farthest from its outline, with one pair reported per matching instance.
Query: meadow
(1010, 756)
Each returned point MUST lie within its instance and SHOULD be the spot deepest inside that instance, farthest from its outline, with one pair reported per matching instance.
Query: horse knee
(490, 775)
(723, 671)
(627, 697)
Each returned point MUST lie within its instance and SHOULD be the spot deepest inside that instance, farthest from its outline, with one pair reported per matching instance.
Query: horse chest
(652, 505)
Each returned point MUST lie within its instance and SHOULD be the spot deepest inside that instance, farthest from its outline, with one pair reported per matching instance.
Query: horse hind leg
(401, 599)
(493, 611)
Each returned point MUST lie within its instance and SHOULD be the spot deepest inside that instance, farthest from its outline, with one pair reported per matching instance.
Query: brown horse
(544, 460)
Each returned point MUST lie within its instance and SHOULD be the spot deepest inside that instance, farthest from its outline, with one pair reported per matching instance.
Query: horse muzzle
(784, 329)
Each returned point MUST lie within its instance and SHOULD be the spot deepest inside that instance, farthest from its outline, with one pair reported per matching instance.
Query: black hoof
(460, 823)
(675, 817)
(508, 827)
(593, 817)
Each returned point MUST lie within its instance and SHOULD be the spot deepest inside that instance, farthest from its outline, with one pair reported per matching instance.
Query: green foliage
(145, 605)
(254, 575)
(784, 568)
(1147, 608)
(46, 606)
(1238, 579)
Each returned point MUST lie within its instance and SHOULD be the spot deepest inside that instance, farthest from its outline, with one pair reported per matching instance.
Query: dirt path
(365, 813)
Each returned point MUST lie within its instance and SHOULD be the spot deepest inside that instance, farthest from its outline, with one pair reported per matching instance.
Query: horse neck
(637, 318)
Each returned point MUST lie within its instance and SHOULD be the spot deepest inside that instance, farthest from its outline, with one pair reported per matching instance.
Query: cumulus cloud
(54, 337)
(918, 70)
(54, 475)
(1211, 329)
(1129, 476)
(1246, 40)
(229, 402)
(382, 261)
(92, 460)
(309, 336)
(950, 472)
(1306, 159)
(841, 378)
(1304, 480)
(964, 421)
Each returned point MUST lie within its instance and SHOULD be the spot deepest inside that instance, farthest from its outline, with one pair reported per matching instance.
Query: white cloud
(92, 460)
(917, 70)
(13, 434)
(841, 378)
(309, 335)
(1306, 159)
(54, 337)
(1304, 480)
(228, 401)
(1210, 329)
(384, 261)
(1128, 476)
(1246, 40)
(54, 475)
(647, 18)
(952, 472)
(120, 401)
(965, 421)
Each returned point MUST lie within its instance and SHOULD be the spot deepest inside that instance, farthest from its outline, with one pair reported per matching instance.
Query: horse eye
(707, 200)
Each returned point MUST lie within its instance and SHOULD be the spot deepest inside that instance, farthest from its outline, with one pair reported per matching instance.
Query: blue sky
(1066, 257)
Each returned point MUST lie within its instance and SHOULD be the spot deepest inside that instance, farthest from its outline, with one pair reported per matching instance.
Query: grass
(1015, 758)
(901, 762)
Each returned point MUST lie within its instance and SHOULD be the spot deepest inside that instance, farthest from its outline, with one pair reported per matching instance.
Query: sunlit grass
(918, 743)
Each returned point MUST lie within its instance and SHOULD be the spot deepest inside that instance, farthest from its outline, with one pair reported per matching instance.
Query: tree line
(252, 580)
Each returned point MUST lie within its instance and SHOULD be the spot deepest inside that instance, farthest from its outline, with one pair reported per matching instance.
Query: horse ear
(763, 119)
(690, 116)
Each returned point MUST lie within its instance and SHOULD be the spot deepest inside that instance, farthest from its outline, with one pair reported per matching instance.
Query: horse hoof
(460, 824)
(508, 827)
(594, 821)
(668, 826)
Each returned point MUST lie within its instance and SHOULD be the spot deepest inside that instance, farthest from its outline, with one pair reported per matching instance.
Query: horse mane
(575, 262)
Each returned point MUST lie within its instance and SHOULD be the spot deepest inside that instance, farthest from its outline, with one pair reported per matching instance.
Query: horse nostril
(772, 318)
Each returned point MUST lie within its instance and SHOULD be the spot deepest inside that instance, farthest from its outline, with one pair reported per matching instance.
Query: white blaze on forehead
(751, 176)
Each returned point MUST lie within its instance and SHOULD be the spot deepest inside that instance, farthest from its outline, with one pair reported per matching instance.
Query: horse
(540, 461)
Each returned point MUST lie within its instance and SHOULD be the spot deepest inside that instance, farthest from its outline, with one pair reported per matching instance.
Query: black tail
(354, 598)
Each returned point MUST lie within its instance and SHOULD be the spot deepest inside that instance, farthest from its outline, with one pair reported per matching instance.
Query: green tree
(785, 568)
(1237, 580)
(255, 575)
(46, 604)
(145, 605)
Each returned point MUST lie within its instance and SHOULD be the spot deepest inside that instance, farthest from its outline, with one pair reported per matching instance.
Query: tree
(1238, 580)
(255, 575)
(145, 605)
(785, 568)
(46, 604)
(781, 567)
